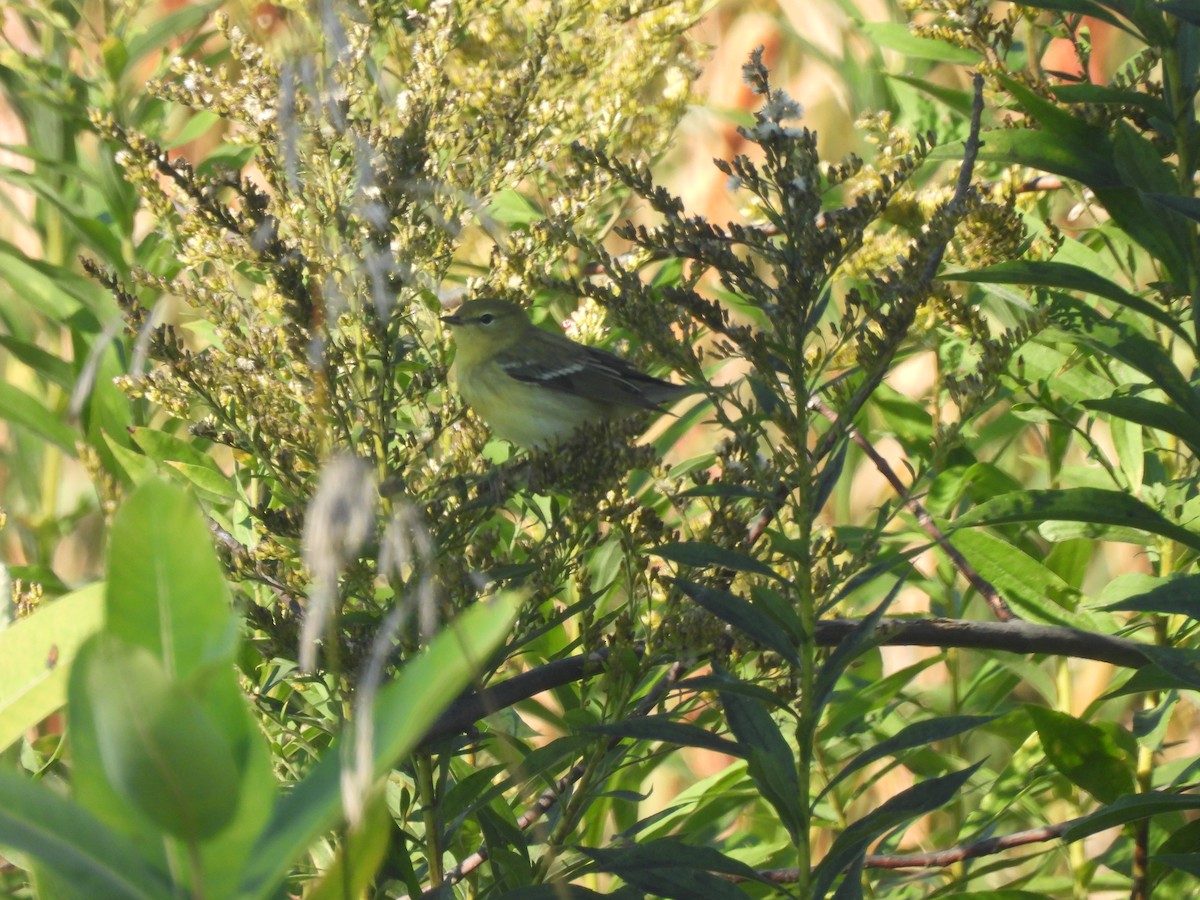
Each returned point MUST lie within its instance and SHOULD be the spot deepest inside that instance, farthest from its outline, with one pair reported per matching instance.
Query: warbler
(535, 388)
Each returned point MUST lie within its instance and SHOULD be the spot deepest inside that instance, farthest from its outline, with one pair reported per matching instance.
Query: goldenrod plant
(833, 628)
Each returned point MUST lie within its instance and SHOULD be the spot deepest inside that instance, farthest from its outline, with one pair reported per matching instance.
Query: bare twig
(939, 858)
(1013, 637)
(987, 590)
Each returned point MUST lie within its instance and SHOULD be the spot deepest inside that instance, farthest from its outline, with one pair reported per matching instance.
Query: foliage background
(302, 304)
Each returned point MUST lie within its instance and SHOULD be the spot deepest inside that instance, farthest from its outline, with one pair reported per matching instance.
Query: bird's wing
(591, 373)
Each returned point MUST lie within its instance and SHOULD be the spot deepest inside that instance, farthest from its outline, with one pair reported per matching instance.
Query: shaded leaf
(919, 734)
(769, 758)
(665, 729)
(703, 555)
(1043, 273)
(671, 868)
(1130, 808)
(1077, 505)
(1085, 753)
(853, 842)
(743, 615)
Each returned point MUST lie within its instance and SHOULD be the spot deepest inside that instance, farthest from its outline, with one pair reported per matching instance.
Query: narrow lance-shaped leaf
(743, 615)
(769, 758)
(1066, 276)
(918, 734)
(1077, 505)
(915, 801)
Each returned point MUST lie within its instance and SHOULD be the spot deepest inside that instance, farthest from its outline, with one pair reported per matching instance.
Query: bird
(535, 388)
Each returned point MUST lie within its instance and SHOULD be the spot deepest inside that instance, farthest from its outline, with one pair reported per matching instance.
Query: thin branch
(939, 858)
(1014, 636)
(987, 590)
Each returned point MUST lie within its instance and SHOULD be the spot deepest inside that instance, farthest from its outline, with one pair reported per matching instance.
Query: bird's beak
(452, 320)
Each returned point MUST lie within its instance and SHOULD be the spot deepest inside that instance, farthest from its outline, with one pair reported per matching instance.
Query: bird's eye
(487, 319)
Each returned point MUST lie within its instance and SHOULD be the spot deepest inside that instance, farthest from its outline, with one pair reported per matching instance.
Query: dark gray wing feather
(594, 374)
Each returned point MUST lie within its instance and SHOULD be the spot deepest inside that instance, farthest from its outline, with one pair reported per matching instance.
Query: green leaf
(1104, 94)
(957, 100)
(1072, 278)
(1065, 144)
(1151, 414)
(663, 728)
(769, 759)
(1080, 323)
(157, 744)
(896, 36)
(1026, 583)
(853, 841)
(403, 712)
(1130, 808)
(166, 591)
(36, 653)
(862, 638)
(703, 555)
(919, 734)
(1082, 8)
(184, 458)
(671, 868)
(511, 207)
(1077, 505)
(1178, 595)
(70, 842)
(47, 365)
(1180, 663)
(1086, 754)
(26, 411)
(744, 616)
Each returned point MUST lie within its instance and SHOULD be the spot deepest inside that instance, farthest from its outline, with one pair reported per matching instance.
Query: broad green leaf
(54, 369)
(852, 842)
(1105, 94)
(403, 713)
(36, 653)
(1027, 584)
(71, 843)
(769, 758)
(511, 207)
(158, 746)
(1077, 505)
(1180, 663)
(1065, 144)
(957, 100)
(1187, 206)
(1085, 753)
(166, 591)
(743, 615)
